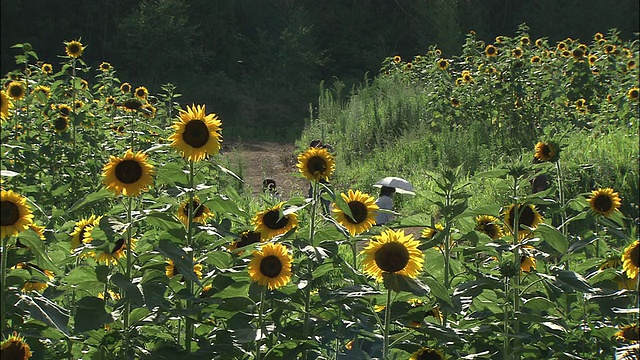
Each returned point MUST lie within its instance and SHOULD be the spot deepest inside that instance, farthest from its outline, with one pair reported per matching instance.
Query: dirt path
(261, 160)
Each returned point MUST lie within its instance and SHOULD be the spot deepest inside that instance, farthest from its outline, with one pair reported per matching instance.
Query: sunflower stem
(517, 261)
(505, 322)
(3, 286)
(189, 283)
(307, 289)
(260, 324)
(127, 304)
(387, 321)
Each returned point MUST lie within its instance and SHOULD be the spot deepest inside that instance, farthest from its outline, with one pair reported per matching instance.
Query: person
(385, 201)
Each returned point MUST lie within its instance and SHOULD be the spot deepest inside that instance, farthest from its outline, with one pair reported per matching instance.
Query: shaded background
(258, 64)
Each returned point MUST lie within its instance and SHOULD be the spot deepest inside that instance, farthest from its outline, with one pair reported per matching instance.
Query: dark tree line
(259, 63)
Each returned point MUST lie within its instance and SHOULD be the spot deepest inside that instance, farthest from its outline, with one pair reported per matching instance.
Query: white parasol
(401, 185)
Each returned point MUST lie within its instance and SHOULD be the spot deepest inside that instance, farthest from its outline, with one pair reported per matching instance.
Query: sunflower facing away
(392, 252)
(527, 263)
(604, 201)
(61, 124)
(527, 215)
(200, 212)
(81, 228)
(196, 134)
(316, 164)
(631, 260)
(74, 49)
(15, 90)
(171, 270)
(628, 333)
(427, 354)
(119, 251)
(247, 237)
(271, 266)
(363, 209)
(270, 224)
(5, 105)
(128, 175)
(15, 214)
(489, 225)
(547, 151)
(15, 348)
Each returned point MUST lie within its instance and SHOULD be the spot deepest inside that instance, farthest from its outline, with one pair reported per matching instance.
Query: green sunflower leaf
(90, 314)
(438, 290)
(45, 310)
(101, 194)
(132, 292)
(553, 237)
(180, 259)
(400, 283)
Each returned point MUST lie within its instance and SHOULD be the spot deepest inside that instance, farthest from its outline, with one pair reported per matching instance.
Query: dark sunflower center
(270, 266)
(14, 350)
(358, 211)
(546, 150)
(65, 111)
(132, 104)
(273, 221)
(198, 209)
(249, 238)
(635, 256)
(634, 94)
(74, 48)
(392, 257)
(490, 229)
(119, 246)
(316, 164)
(631, 333)
(429, 355)
(140, 93)
(491, 51)
(60, 124)
(527, 216)
(15, 91)
(10, 213)
(602, 203)
(128, 171)
(196, 133)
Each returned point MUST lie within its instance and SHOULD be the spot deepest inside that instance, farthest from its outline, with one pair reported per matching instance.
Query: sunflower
(61, 124)
(363, 208)
(112, 295)
(141, 92)
(78, 104)
(408, 66)
(64, 109)
(581, 103)
(105, 66)
(489, 225)
(42, 89)
(271, 266)
(26, 266)
(527, 263)
(436, 313)
(397, 59)
(517, 53)
(631, 64)
(5, 105)
(196, 134)
(609, 49)
(128, 175)
(611, 263)
(527, 215)
(430, 232)
(47, 68)
(131, 105)
(598, 36)
(592, 59)
(491, 51)
(499, 39)
(525, 41)
(171, 270)
(80, 230)
(454, 102)
(74, 49)
(427, 354)
(628, 333)
(39, 230)
(15, 90)
(631, 260)
(535, 59)
(119, 251)
(565, 53)
(624, 282)
(443, 64)
(34, 285)
(110, 100)
(578, 54)
(539, 42)
(200, 212)
(316, 164)
(604, 201)
(247, 237)
(466, 76)
(562, 46)
(148, 111)
(15, 214)
(547, 151)
(269, 222)
(15, 348)
(84, 84)
(459, 81)
(125, 88)
(633, 93)
(392, 252)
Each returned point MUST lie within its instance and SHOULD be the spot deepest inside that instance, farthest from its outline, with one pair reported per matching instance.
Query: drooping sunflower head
(443, 64)
(363, 209)
(125, 88)
(271, 266)
(47, 68)
(61, 124)
(631, 260)
(200, 212)
(128, 175)
(547, 151)
(392, 252)
(272, 222)
(148, 111)
(604, 201)
(119, 251)
(5, 105)
(489, 225)
(16, 90)
(427, 354)
(528, 216)
(34, 285)
(316, 164)
(628, 333)
(141, 93)
(15, 214)
(105, 66)
(247, 237)
(15, 348)
(527, 263)
(632, 94)
(491, 51)
(197, 135)
(430, 232)
(578, 54)
(74, 49)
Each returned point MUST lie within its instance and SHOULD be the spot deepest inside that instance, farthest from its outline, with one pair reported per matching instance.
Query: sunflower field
(125, 234)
